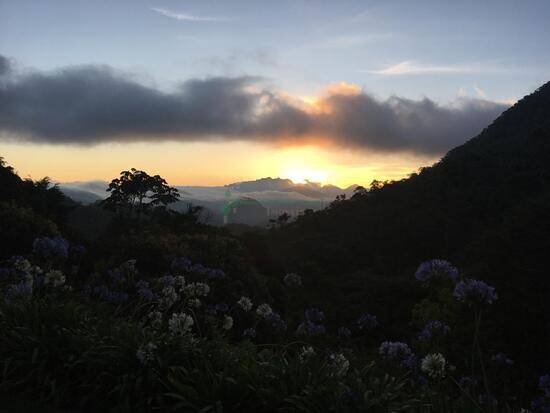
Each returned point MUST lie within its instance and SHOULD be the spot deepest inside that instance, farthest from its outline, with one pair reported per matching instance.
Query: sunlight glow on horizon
(209, 164)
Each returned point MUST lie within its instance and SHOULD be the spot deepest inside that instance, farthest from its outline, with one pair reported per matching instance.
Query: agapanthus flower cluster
(314, 315)
(146, 353)
(264, 310)
(544, 384)
(55, 278)
(367, 322)
(276, 321)
(198, 289)
(180, 324)
(245, 303)
(434, 365)
(344, 332)
(312, 325)
(168, 296)
(180, 265)
(144, 291)
(112, 296)
(19, 290)
(292, 280)
(305, 354)
(433, 328)
(395, 351)
(53, 248)
(436, 269)
(340, 364)
(472, 292)
(501, 358)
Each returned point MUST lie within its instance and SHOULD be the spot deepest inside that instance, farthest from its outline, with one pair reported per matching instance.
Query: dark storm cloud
(92, 104)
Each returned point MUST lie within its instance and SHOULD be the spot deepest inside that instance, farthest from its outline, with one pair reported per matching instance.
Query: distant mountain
(310, 189)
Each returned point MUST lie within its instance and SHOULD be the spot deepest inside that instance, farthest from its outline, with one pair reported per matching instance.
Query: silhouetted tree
(137, 191)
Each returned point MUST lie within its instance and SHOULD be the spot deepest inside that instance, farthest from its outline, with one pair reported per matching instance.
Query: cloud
(411, 68)
(4, 65)
(88, 105)
(185, 16)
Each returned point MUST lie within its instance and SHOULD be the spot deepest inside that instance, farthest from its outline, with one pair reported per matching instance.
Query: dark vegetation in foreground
(341, 310)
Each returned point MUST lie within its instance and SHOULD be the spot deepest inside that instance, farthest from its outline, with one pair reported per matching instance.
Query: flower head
(305, 354)
(314, 315)
(180, 324)
(245, 303)
(146, 353)
(395, 351)
(367, 322)
(264, 310)
(433, 328)
(340, 364)
(474, 292)
(434, 365)
(292, 280)
(436, 269)
(51, 248)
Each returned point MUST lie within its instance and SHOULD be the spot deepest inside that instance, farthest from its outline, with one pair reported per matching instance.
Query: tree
(137, 191)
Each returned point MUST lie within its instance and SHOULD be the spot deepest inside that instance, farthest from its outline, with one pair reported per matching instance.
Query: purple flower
(540, 405)
(276, 321)
(434, 327)
(474, 292)
(344, 332)
(502, 358)
(544, 384)
(215, 273)
(367, 321)
(167, 281)
(222, 307)
(395, 351)
(180, 265)
(436, 269)
(310, 329)
(314, 315)
(20, 290)
(199, 269)
(51, 248)
(4, 273)
(144, 291)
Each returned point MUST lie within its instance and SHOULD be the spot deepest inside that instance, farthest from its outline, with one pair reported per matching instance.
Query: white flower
(197, 289)
(227, 322)
(21, 264)
(180, 282)
(434, 365)
(340, 364)
(264, 310)
(245, 303)
(194, 303)
(305, 354)
(169, 296)
(180, 323)
(55, 278)
(146, 353)
(155, 318)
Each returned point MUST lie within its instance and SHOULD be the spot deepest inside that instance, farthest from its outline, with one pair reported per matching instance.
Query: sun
(300, 176)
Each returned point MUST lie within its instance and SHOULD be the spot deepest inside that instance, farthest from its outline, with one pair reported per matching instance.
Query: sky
(214, 92)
